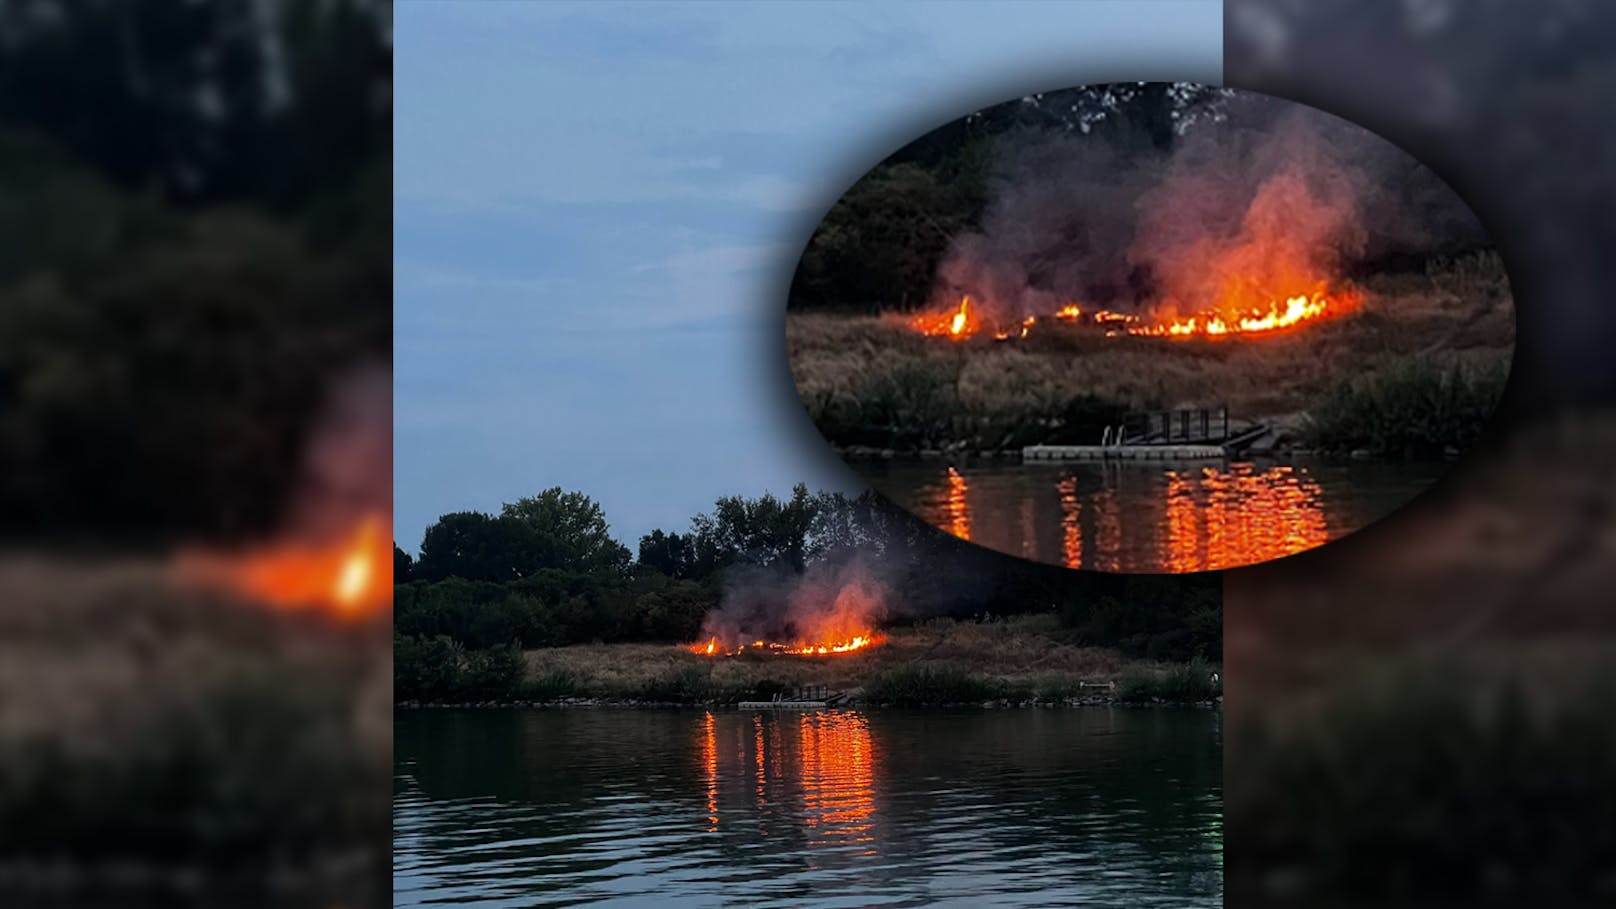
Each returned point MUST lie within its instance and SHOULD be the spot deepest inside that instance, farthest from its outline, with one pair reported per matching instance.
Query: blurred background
(1423, 713)
(195, 451)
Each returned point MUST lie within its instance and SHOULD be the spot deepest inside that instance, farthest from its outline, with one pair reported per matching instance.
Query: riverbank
(157, 739)
(1419, 345)
(1021, 661)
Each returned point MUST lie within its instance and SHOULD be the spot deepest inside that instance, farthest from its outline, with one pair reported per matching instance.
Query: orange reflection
(827, 759)
(1262, 515)
(1188, 519)
(1186, 530)
(959, 515)
(709, 764)
(1240, 515)
(1107, 549)
(838, 779)
(1071, 526)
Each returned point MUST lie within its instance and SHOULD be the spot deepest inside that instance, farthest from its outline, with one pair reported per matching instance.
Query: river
(1130, 516)
(672, 808)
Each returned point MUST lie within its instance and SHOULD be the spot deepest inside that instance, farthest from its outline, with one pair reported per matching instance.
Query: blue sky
(597, 210)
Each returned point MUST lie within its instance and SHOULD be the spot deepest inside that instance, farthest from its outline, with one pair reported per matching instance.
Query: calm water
(1092, 807)
(1151, 517)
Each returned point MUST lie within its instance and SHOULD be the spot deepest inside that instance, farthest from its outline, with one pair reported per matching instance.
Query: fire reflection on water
(829, 763)
(1120, 518)
(1239, 515)
(959, 513)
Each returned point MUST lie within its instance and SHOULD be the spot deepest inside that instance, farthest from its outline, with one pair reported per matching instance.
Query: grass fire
(1063, 273)
(833, 608)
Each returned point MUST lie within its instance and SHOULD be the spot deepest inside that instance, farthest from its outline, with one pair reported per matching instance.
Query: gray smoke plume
(1271, 199)
(829, 602)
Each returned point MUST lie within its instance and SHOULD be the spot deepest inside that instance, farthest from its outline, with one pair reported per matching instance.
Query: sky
(597, 210)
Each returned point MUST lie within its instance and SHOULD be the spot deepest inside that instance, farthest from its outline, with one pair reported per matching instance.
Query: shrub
(551, 686)
(425, 669)
(1189, 683)
(1415, 407)
(931, 684)
(491, 675)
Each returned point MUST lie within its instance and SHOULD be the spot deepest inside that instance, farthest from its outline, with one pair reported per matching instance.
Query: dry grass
(1023, 652)
(861, 370)
(197, 738)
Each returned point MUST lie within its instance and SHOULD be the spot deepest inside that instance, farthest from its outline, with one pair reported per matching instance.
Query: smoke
(1269, 201)
(830, 602)
(348, 463)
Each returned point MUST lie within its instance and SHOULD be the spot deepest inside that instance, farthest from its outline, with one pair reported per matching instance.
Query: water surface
(1091, 807)
(1133, 516)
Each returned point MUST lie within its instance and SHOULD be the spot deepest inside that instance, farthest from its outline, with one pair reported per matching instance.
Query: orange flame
(350, 576)
(1277, 315)
(957, 323)
(1232, 318)
(713, 647)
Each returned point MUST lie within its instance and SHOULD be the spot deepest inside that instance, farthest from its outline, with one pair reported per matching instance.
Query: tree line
(546, 571)
(197, 204)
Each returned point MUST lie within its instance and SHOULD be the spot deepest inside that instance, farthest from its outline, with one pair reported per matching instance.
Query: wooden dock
(1123, 452)
(1202, 434)
(814, 697)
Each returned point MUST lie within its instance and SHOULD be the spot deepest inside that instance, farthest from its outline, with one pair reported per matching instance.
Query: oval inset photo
(1150, 327)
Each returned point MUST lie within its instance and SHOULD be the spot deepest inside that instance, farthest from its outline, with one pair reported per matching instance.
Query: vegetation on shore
(1416, 407)
(870, 382)
(533, 580)
(1430, 783)
(160, 735)
(1025, 659)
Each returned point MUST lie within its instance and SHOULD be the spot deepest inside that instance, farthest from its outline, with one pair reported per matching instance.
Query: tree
(470, 545)
(403, 565)
(671, 554)
(566, 531)
(765, 531)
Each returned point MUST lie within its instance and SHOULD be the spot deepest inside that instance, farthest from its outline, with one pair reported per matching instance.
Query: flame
(713, 647)
(1234, 316)
(1276, 315)
(350, 576)
(958, 323)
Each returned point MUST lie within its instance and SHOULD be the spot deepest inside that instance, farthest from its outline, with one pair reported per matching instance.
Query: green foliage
(220, 780)
(765, 531)
(1189, 683)
(183, 280)
(426, 669)
(559, 530)
(439, 670)
(1415, 407)
(1157, 617)
(551, 686)
(403, 566)
(931, 685)
(1485, 777)
(880, 243)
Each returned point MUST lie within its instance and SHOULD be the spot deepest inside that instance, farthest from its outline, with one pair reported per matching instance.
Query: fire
(349, 576)
(713, 647)
(1233, 317)
(958, 323)
(1277, 315)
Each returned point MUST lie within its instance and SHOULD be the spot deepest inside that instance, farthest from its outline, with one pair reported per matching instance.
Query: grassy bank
(153, 739)
(941, 661)
(1428, 782)
(873, 382)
